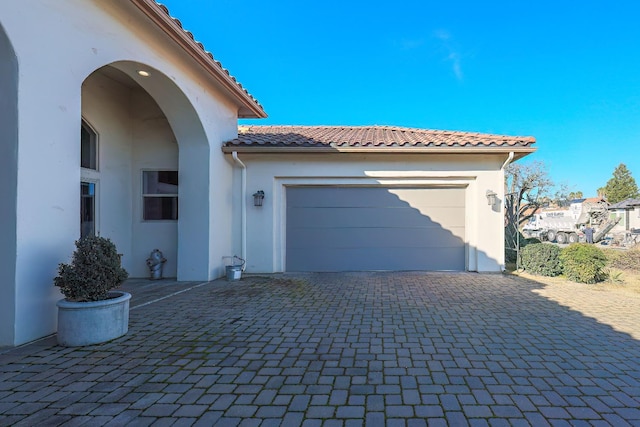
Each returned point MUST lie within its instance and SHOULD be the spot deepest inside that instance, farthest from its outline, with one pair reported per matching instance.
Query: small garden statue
(155, 262)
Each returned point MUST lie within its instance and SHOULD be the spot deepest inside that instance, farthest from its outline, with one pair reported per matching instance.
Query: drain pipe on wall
(509, 159)
(504, 165)
(243, 242)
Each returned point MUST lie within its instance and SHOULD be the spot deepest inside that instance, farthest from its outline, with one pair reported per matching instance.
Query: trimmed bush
(531, 241)
(94, 271)
(584, 263)
(542, 259)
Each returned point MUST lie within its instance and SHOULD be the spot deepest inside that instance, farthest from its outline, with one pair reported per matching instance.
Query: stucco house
(373, 198)
(116, 121)
(629, 213)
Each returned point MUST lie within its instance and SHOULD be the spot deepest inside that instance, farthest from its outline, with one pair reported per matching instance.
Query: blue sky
(566, 72)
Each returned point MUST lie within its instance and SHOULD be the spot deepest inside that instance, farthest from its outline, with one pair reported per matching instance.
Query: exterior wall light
(491, 198)
(258, 198)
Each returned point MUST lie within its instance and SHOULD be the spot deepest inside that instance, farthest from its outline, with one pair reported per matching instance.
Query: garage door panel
(433, 198)
(365, 237)
(374, 217)
(367, 259)
(375, 228)
(361, 197)
(445, 215)
(339, 197)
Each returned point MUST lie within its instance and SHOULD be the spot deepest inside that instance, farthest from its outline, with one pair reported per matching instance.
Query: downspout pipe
(504, 165)
(243, 207)
(509, 160)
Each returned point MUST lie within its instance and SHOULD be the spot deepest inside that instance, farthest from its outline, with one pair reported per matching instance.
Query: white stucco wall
(634, 218)
(154, 148)
(630, 219)
(105, 107)
(623, 224)
(8, 184)
(57, 45)
(272, 173)
(133, 135)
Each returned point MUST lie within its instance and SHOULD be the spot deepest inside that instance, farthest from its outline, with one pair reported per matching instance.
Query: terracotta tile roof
(371, 137)
(594, 200)
(159, 13)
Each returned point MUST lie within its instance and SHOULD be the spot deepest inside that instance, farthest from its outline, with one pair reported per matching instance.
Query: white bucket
(234, 272)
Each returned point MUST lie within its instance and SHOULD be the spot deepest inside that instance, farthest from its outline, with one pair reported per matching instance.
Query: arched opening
(143, 195)
(8, 185)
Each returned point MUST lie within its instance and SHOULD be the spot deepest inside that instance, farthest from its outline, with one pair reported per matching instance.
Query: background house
(629, 213)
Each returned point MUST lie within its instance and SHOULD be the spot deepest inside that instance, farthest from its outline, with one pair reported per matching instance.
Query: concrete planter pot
(87, 323)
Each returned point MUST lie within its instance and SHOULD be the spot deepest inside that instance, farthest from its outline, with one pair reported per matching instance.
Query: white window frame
(86, 123)
(149, 195)
(96, 201)
(92, 176)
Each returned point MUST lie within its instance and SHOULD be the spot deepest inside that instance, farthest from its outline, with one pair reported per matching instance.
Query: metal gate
(511, 232)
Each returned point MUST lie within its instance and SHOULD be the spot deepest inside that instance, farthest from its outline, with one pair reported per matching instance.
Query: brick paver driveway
(403, 349)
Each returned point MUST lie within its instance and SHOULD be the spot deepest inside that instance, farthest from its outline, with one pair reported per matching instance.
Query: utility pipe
(243, 207)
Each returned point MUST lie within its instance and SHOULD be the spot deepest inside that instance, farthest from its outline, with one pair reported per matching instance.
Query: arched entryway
(150, 176)
(8, 185)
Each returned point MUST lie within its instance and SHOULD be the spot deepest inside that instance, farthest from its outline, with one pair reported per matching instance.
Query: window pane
(87, 209)
(88, 149)
(160, 208)
(160, 182)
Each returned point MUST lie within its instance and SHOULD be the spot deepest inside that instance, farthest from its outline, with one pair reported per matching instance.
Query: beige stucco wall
(266, 250)
(58, 44)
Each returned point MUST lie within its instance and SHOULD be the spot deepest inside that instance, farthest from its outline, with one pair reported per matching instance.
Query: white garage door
(375, 228)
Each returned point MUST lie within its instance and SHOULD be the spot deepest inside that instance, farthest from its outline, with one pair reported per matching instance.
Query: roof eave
(249, 107)
(519, 152)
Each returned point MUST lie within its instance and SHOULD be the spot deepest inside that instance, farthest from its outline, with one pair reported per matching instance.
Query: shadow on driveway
(335, 349)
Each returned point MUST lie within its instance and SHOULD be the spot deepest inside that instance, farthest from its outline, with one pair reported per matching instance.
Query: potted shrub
(92, 312)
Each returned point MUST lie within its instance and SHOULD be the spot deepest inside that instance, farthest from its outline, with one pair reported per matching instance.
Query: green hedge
(542, 259)
(583, 263)
(510, 254)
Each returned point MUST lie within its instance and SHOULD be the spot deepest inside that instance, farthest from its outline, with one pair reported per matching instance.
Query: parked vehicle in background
(566, 225)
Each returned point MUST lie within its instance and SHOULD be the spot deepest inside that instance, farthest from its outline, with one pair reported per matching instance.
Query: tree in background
(621, 186)
(563, 196)
(573, 195)
(527, 188)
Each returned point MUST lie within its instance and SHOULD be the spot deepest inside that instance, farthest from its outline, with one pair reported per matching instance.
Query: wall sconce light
(258, 197)
(491, 198)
